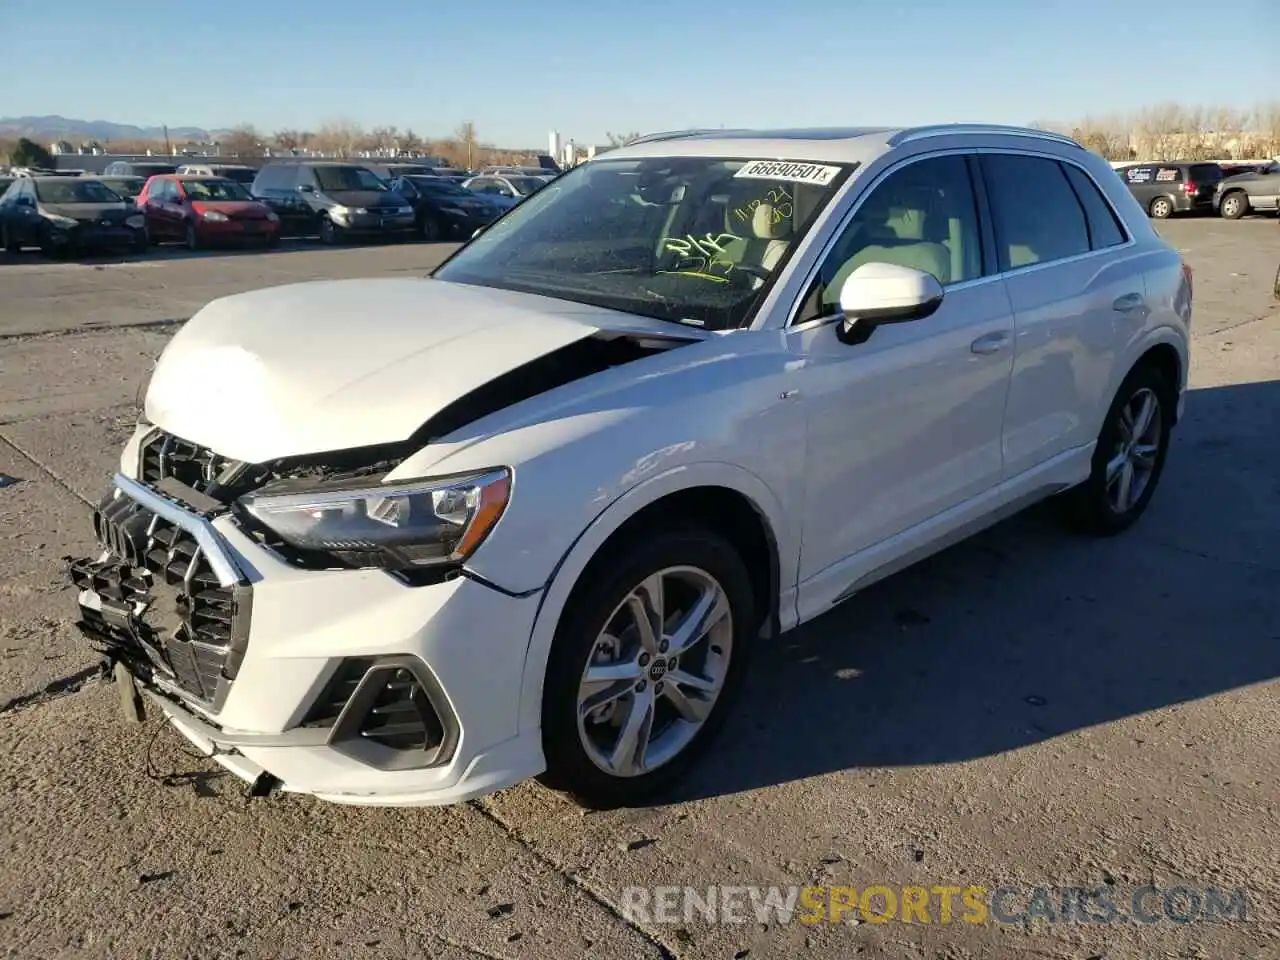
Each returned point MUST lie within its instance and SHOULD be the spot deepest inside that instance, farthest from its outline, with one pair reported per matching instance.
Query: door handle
(1128, 303)
(990, 343)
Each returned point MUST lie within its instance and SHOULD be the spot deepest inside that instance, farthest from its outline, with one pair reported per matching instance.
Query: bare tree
(290, 140)
(466, 137)
(621, 139)
(339, 137)
(410, 143)
(243, 141)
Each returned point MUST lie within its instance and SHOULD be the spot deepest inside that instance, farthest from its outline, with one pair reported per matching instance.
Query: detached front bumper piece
(347, 684)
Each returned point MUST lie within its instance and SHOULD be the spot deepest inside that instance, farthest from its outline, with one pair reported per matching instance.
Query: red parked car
(202, 211)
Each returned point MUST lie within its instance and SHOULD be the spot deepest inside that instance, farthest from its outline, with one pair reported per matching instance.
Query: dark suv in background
(335, 200)
(1164, 189)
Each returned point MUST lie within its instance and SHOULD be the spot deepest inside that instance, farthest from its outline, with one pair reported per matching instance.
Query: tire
(193, 238)
(273, 241)
(1234, 205)
(1095, 506)
(431, 230)
(1161, 208)
(142, 242)
(1275, 290)
(6, 240)
(697, 563)
(328, 231)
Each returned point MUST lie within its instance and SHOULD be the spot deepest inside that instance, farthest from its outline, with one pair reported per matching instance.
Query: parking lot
(1028, 709)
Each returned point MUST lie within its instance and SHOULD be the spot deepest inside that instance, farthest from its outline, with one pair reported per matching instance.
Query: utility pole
(167, 147)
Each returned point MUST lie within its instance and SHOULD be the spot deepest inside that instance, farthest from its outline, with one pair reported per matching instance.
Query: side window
(922, 216)
(1104, 229)
(1168, 175)
(1037, 216)
(1139, 174)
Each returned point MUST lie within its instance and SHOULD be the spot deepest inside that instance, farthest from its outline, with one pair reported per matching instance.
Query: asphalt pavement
(1027, 710)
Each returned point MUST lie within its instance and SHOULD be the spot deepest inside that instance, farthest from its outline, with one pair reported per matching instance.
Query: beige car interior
(910, 225)
(770, 236)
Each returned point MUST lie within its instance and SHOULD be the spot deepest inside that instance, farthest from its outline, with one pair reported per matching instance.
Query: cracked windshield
(695, 240)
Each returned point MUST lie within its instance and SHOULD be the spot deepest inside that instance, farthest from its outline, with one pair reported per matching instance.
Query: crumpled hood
(331, 365)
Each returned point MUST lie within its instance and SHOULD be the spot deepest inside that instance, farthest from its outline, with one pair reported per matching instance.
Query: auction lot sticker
(815, 173)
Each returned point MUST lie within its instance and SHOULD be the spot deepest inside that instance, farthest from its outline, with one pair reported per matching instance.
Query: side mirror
(877, 293)
(306, 188)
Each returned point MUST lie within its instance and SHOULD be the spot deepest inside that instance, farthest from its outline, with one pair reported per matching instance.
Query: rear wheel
(648, 656)
(141, 242)
(431, 229)
(1129, 457)
(1234, 205)
(8, 242)
(1161, 208)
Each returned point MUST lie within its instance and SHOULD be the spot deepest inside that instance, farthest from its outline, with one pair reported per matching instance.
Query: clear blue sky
(518, 68)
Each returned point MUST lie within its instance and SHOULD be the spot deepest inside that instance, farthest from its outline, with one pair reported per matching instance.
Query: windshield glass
(125, 186)
(215, 190)
(688, 239)
(349, 178)
(75, 191)
(152, 169)
(1206, 171)
(526, 185)
(436, 187)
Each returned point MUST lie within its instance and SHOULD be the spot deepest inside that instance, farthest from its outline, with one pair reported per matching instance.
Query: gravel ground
(1027, 709)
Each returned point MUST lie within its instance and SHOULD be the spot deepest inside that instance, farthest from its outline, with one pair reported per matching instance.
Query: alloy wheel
(1161, 209)
(655, 671)
(1136, 452)
(1231, 207)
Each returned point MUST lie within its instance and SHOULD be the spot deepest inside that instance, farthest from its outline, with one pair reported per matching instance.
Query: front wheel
(193, 238)
(1234, 206)
(8, 242)
(1129, 457)
(648, 656)
(431, 229)
(328, 232)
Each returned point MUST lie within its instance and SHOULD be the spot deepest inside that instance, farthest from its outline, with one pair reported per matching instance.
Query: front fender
(571, 565)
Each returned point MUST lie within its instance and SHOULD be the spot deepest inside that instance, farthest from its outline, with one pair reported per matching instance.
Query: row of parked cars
(1231, 191)
(135, 204)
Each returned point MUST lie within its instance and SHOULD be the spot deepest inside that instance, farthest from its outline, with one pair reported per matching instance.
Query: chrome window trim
(830, 242)
(210, 543)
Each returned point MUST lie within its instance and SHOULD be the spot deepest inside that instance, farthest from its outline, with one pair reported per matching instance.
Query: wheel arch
(727, 499)
(1163, 350)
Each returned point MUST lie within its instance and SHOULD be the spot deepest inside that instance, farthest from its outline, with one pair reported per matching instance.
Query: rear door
(1075, 282)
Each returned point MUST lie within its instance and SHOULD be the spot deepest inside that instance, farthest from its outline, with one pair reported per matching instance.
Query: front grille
(164, 455)
(192, 626)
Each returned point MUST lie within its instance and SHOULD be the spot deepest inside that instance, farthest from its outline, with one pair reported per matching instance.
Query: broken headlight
(395, 526)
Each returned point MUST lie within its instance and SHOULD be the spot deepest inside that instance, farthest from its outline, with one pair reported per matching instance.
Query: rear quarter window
(1105, 229)
(1206, 173)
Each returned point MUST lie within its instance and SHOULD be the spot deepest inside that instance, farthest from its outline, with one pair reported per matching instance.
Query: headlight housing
(60, 221)
(403, 525)
(213, 216)
(137, 221)
(273, 216)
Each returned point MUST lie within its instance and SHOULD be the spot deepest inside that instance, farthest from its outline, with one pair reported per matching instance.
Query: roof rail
(947, 129)
(673, 135)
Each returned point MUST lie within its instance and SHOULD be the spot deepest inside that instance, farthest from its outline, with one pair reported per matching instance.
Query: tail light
(1190, 188)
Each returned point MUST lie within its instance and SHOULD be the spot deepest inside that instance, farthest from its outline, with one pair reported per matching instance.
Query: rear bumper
(238, 229)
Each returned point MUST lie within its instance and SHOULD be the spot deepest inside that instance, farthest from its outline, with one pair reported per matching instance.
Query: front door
(906, 425)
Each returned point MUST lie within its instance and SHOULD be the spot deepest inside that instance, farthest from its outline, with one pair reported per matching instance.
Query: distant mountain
(46, 129)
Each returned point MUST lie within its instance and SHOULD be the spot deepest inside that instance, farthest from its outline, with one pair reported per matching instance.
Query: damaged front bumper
(347, 684)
